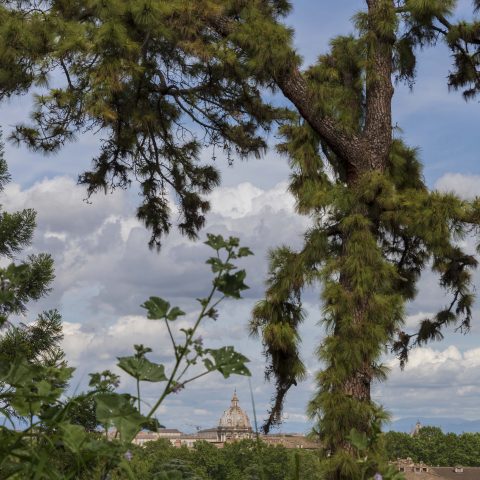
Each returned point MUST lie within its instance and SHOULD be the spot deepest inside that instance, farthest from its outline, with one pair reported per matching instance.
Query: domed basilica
(234, 423)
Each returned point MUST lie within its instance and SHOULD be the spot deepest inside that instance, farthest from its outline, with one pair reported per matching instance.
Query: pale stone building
(234, 423)
(168, 433)
(421, 471)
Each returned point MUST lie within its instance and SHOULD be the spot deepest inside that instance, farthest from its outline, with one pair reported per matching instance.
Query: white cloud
(104, 247)
(105, 271)
(245, 199)
(435, 382)
(466, 186)
(413, 321)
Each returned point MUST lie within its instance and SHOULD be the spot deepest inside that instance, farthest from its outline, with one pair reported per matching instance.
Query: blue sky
(105, 270)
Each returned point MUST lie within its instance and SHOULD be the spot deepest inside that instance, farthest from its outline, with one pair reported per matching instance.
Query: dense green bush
(47, 435)
(434, 447)
(243, 460)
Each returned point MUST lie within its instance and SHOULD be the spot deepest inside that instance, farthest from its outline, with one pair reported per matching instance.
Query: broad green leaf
(35, 386)
(117, 410)
(217, 242)
(174, 313)
(217, 265)
(227, 361)
(156, 307)
(142, 369)
(244, 252)
(358, 439)
(231, 284)
(73, 436)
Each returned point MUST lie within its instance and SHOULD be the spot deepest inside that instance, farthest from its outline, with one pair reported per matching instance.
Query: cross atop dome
(235, 399)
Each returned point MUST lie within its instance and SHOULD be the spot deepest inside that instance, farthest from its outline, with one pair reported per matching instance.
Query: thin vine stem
(205, 307)
(138, 395)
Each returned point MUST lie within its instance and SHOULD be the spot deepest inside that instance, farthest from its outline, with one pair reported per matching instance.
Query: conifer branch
(377, 133)
(290, 80)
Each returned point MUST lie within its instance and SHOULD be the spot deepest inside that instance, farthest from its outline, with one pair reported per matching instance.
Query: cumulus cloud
(102, 247)
(105, 271)
(435, 382)
(467, 186)
(202, 402)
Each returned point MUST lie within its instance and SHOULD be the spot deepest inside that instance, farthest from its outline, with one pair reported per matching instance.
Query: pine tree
(153, 82)
(161, 79)
(376, 225)
(30, 278)
(37, 343)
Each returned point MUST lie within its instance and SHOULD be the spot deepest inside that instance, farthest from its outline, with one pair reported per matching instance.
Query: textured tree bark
(362, 153)
(369, 150)
(359, 384)
(375, 142)
(373, 150)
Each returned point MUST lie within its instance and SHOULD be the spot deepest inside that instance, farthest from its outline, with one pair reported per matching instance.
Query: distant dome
(234, 418)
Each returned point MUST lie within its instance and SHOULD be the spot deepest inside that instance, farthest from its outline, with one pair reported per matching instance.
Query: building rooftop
(447, 473)
(421, 471)
(234, 417)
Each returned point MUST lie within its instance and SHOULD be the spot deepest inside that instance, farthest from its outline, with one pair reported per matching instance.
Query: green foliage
(227, 361)
(367, 461)
(32, 388)
(34, 377)
(35, 391)
(114, 410)
(428, 21)
(26, 40)
(105, 381)
(140, 368)
(176, 470)
(38, 342)
(242, 460)
(29, 279)
(191, 351)
(375, 229)
(161, 79)
(434, 447)
(425, 11)
(153, 80)
(367, 248)
(158, 309)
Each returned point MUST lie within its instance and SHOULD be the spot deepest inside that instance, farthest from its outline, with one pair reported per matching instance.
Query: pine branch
(377, 132)
(289, 79)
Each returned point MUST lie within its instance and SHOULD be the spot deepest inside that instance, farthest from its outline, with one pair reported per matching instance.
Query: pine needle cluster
(375, 230)
(153, 81)
(27, 279)
(160, 80)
